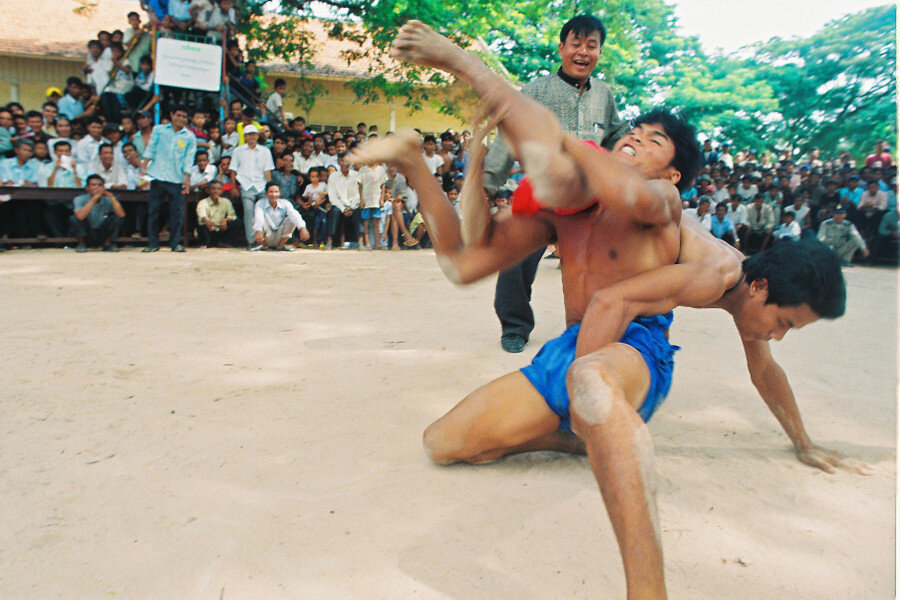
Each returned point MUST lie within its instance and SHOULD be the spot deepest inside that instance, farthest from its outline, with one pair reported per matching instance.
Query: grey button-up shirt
(588, 115)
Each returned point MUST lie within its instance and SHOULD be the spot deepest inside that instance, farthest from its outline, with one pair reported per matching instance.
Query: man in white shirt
(345, 192)
(788, 230)
(737, 212)
(274, 221)
(88, 147)
(747, 190)
(433, 160)
(108, 169)
(305, 159)
(251, 167)
(202, 173)
(701, 213)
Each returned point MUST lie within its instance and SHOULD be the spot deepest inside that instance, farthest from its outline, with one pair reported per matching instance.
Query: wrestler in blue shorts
(647, 335)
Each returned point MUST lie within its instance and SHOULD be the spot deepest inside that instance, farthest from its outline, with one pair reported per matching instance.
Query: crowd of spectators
(265, 180)
(754, 200)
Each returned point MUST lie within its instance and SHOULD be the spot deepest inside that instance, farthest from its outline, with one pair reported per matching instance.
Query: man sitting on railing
(98, 217)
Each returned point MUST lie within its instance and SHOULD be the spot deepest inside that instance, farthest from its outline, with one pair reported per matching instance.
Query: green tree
(836, 89)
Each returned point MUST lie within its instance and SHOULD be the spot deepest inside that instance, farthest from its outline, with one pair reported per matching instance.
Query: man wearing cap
(53, 94)
(842, 236)
(586, 109)
(251, 167)
(170, 155)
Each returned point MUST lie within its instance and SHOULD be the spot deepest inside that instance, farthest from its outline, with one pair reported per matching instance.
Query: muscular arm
(772, 384)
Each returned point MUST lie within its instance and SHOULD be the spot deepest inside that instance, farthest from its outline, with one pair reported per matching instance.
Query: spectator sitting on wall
(113, 100)
(203, 172)
(178, 16)
(98, 217)
(216, 219)
(108, 169)
(137, 41)
(20, 171)
(72, 104)
(97, 67)
(275, 220)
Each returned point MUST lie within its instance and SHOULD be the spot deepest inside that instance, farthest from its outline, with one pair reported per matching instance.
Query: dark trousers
(213, 238)
(351, 226)
(165, 192)
(56, 218)
(512, 298)
(107, 230)
(326, 223)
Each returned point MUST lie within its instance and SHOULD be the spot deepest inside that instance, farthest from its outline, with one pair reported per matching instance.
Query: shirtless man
(609, 385)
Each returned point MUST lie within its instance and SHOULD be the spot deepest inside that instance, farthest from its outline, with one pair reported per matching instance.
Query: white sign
(188, 65)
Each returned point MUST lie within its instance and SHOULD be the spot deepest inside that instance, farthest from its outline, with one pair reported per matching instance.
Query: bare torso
(598, 248)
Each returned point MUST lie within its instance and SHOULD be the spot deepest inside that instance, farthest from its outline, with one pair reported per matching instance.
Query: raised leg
(605, 388)
(555, 177)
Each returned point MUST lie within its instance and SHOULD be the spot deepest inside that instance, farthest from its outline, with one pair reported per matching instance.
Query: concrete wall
(25, 78)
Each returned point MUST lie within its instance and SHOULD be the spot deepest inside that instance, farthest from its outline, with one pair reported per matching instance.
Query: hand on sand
(827, 460)
(398, 150)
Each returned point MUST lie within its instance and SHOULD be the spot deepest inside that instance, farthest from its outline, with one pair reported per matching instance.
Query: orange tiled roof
(52, 27)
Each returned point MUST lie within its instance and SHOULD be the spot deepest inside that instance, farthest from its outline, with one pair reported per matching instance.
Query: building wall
(28, 77)
(25, 79)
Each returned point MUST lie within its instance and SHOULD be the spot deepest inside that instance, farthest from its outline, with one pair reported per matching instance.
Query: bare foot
(418, 43)
(398, 150)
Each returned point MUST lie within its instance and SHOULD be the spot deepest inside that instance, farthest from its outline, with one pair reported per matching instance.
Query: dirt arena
(235, 425)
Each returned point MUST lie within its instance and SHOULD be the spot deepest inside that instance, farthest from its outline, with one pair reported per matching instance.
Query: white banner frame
(188, 65)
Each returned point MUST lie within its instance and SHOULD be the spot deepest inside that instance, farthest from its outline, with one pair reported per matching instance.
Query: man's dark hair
(804, 272)
(429, 138)
(46, 104)
(73, 81)
(279, 82)
(94, 43)
(248, 112)
(199, 152)
(447, 136)
(179, 108)
(62, 143)
(125, 145)
(688, 157)
(95, 120)
(87, 181)
(33, 114)
(102, 146)
(722, 205)
(146, 59)
(133, 14)
(582, 26)
(272, 184)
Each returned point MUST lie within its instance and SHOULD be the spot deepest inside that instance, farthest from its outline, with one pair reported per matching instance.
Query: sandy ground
(225, 424)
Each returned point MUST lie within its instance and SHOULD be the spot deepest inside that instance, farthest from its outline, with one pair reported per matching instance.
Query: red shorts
(525, 204)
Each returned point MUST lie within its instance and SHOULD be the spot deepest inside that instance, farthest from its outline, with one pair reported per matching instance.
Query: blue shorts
(370, 213)
(647, 335)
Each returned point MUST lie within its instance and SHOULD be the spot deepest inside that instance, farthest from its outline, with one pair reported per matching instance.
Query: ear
(760, 287)
(672, 174)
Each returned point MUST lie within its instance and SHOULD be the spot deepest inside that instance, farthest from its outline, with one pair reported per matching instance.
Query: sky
(731, 24)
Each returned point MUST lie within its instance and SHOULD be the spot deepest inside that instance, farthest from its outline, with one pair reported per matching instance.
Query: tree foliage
(834, 89)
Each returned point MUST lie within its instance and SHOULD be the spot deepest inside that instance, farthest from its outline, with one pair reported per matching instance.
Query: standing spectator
(326, 214)
(432, 159)
(710, 156)
(216, 219)
(141, 139)
(344, 193)
(231, 139)
(98, 217)
(251, 167)
(275, 220)
(725, 156)
(275, 105)
(170, 155)
(586, 109)
(842, 236)
(372, 180)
